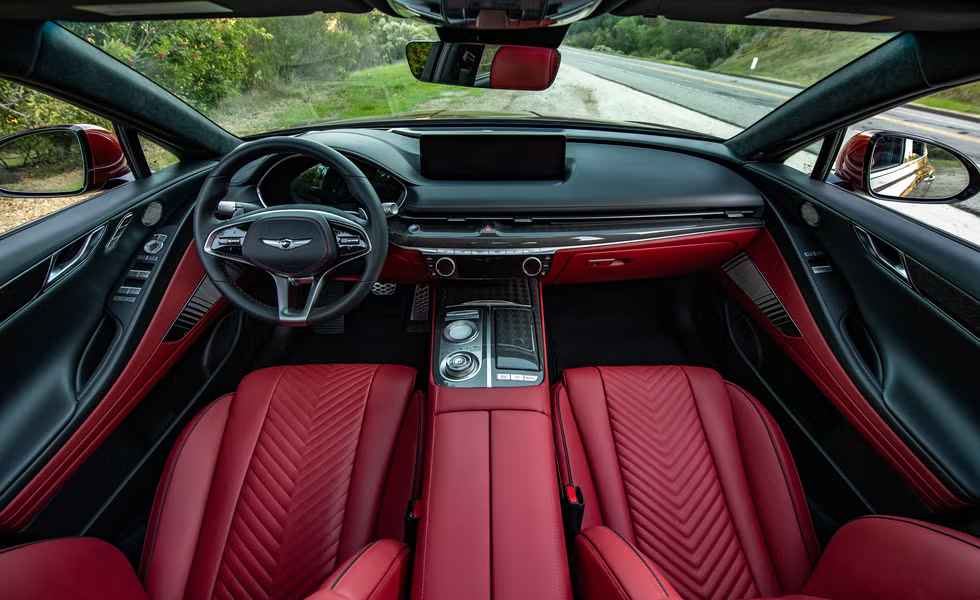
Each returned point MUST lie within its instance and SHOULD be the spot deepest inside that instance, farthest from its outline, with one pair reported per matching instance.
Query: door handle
(887, 255)
(78, 250)
(605, 262)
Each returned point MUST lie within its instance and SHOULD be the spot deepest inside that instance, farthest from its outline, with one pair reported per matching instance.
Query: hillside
(805, 56)
(798, 55)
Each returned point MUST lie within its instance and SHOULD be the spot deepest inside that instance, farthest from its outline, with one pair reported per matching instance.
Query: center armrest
(491, 519)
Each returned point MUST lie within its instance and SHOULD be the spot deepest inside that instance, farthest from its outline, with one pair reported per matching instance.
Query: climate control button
(532, 266)
(445, 267)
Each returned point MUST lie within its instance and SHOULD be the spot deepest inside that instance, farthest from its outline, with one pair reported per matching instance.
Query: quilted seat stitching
(645, 400)
(305, 454)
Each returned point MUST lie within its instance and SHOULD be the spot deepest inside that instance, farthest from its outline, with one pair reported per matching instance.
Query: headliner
(907, 15)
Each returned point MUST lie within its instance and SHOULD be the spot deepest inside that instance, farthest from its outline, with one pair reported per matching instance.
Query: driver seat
(266, 493)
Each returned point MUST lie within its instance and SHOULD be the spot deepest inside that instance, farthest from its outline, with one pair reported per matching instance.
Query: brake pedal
(384, 289)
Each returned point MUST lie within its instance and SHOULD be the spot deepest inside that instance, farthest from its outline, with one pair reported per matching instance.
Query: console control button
(532, 266)
(460, 365)
(445, 267)
(153, 246)
(460, 332)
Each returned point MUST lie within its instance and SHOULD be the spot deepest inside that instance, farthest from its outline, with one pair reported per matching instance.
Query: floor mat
(374, 333)
(616, 324)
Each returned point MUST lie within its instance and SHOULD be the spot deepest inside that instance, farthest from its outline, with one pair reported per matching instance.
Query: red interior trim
(150, 361)
(812, 354)
(654, 258)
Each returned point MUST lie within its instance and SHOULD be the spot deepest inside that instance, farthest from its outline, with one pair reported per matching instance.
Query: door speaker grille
(746, 275)
(197, 306)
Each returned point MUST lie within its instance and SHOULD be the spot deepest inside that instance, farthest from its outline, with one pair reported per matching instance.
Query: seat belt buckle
(412, 514)
(572, 511)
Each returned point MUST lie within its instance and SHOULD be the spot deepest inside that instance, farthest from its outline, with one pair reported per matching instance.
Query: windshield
(256, 75)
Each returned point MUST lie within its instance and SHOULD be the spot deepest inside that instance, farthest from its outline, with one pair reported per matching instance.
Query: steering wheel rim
(319, 223)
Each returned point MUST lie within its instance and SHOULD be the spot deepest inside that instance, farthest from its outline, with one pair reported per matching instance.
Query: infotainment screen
(493, 157)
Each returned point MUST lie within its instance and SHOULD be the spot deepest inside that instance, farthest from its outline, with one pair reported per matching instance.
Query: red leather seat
(692, 471)
(266, 492)
(689, 486)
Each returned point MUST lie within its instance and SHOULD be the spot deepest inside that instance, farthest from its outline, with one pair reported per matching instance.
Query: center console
(488, 335)
(490, 523)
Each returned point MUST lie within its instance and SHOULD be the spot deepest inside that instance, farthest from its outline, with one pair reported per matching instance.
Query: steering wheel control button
(460, 332)
(460, 366)
(532, 266)
(290, 246)
(349, 242)
(445, 267)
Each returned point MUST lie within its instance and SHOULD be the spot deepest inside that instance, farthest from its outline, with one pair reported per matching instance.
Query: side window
(44, 171)
(157, 157)
(952, 119)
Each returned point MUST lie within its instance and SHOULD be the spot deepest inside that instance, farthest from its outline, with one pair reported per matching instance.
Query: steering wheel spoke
(288, 289)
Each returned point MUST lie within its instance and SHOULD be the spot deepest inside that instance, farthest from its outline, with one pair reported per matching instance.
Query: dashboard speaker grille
(746, 275)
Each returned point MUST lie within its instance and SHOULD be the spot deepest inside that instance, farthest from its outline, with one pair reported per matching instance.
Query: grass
(801, 57)
(390, 89)
(965, 98)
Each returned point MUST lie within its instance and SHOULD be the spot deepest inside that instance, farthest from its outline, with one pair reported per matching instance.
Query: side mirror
(483, 65)
(63, 160)
(907, 168)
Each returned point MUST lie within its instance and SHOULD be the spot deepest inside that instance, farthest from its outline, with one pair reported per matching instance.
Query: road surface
(741, 101)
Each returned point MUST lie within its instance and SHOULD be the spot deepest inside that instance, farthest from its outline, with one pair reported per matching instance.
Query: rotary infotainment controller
(486, 263)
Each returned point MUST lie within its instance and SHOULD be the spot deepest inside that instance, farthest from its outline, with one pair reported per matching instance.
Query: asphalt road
(742, 101)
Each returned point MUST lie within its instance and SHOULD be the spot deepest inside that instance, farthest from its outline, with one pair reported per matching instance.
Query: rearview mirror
(483, 65)
(63, 160)
(908, 168)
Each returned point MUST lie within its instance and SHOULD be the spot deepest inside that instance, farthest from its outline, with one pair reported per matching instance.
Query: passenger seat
(690, 491)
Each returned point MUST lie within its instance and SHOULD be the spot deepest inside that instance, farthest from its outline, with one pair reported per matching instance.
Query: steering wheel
(299, 245)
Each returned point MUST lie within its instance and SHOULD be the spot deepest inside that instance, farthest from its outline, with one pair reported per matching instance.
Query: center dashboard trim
(646, 235)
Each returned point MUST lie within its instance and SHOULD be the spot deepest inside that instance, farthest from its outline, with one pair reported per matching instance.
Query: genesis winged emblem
(286, 243)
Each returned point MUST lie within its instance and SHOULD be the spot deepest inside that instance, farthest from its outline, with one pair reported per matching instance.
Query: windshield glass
(256, 75)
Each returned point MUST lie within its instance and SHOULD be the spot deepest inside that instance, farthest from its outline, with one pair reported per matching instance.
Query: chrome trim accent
(685, 232)
(532, 218)
(867, 240)
(57, 271)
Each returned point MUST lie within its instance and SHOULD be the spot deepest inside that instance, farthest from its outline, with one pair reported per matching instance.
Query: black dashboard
(612, 189)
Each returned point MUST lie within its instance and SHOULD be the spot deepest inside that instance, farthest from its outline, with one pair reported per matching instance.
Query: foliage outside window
(157, 157)
(255, 75)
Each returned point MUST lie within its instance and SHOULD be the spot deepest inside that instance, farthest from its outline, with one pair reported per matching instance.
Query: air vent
(750, 280)
(120, 229)
(197, 306)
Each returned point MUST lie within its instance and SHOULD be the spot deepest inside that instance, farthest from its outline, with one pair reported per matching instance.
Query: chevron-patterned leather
(676, 503)
(288, 522)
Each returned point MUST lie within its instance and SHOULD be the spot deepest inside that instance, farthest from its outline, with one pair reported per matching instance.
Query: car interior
(497, 357)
